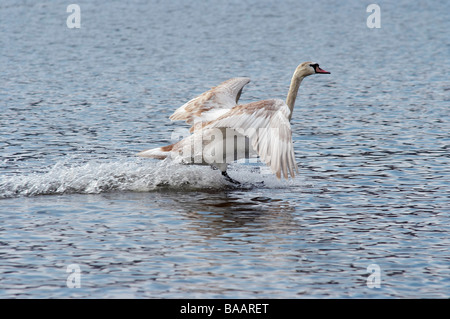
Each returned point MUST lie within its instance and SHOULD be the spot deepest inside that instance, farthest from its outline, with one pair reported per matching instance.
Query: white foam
(137, 175)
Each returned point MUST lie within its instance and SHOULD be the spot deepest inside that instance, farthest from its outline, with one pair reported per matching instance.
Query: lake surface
(372, 141)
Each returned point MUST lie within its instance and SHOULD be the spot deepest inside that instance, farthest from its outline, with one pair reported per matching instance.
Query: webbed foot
(228, 178)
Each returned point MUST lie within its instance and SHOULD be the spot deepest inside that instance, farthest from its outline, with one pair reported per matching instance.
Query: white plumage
(223, 131)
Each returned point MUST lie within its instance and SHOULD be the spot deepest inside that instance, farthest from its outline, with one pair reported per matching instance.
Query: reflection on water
(219, 214)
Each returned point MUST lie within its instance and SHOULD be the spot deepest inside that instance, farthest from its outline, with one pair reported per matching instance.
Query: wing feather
(213, 103)
(267, 125)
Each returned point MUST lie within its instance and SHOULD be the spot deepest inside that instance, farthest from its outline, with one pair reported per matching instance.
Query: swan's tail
(158, 153)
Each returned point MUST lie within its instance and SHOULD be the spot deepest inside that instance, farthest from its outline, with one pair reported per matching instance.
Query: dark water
(372, 142)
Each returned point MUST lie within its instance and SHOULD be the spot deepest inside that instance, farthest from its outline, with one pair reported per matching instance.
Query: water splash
(135, 175)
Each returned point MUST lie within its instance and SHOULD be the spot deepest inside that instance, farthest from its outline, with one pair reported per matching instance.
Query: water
(371, 139)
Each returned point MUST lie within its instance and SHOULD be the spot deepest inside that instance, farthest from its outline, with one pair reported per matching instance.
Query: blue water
(371, 140)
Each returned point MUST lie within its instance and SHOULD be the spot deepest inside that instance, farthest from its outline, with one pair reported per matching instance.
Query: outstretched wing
(266, 124)
(213, 103)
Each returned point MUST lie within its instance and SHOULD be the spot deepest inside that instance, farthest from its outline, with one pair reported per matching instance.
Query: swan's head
(309, 68)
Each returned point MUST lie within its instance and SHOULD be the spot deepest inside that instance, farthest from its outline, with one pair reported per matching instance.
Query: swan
(223, 131)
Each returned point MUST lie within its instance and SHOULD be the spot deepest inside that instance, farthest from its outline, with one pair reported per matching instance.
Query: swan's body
(223, 131)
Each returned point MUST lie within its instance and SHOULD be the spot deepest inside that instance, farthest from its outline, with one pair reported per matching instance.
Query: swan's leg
(223, 169)
(228, 178)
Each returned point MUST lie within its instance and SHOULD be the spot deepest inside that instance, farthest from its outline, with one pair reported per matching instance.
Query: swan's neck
(293, 90)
